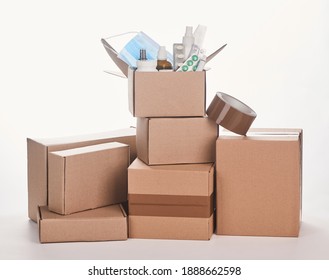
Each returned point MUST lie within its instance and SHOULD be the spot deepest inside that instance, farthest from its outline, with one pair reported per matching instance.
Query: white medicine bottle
(144, 65)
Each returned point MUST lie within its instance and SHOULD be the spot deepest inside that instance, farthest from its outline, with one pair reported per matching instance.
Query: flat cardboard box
(167, 94)
(176, 140)
(88, 177)
(37, 160)
(259, 183)
(101, 224)
(180, 228)
(171, 190)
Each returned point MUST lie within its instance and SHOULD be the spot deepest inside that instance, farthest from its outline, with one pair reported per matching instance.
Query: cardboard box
(259, 183)
(37, 160)
(88, 177)
(101, 224)
(171, 190)
(171, 194)
(180, 228)
(176, 140)
(167, 94)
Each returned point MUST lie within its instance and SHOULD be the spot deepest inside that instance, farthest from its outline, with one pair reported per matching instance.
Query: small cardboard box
(37, 160)
(170, 194)
(176, 140)
(179, 228)
(259, 183)
(101, 224)
(88, 177)
(167, 94)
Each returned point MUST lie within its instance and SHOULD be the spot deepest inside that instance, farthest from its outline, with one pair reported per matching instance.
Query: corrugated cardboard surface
(162, 196)
(171, 205)
(106, 223)
(37, 155)
(176, 140)
(181, 228)
(178, 179)
(259, 180)
(88, 177)
(167, 94)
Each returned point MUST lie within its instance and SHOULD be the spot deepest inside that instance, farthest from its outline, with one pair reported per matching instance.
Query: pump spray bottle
(188, 41)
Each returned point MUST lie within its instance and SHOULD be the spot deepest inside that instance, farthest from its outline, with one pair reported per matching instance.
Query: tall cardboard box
(101, 224)
(167, 94)
(87, 177)
(176, 140)
(37, 159)
(259, 183)
(171, 201)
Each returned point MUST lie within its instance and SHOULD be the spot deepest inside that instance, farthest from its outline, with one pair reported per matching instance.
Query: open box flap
(123, 66)
(210, 57)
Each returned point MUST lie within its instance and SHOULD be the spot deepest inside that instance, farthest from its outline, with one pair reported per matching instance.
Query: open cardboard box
(87, 177)
(259, 182)
(124, 67)
(176, 140)
(101, 224)
(167, 94)
(37, 159)
(163, 94)
(170, 201)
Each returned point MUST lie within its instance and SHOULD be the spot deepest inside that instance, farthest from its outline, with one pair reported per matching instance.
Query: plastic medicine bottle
(188, 41)
(163, 63)
(144, 65)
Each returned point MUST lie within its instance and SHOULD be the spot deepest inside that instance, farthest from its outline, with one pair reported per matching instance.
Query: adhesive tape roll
(231, 113)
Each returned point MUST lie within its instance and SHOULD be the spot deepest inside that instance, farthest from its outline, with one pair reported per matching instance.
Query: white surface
(53, 84)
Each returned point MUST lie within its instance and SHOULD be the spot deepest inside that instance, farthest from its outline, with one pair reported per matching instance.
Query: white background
(52, 84)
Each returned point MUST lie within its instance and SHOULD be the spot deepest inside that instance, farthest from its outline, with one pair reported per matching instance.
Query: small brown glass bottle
(163, 63)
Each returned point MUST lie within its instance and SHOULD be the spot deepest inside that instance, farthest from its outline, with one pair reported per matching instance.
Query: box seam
(39, 220)
(148, 140)
(134, 98)
(64, 187)
(47, 172)
(205, 94)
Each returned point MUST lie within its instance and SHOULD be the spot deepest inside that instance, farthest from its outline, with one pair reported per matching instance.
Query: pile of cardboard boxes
(182, 179)
(77, 186)
(171, 183)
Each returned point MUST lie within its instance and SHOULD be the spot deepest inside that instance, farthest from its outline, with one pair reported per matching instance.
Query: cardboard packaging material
(124, 67)
(101, 224)
(176, 140)
(179, 228)
(88, 177)
(37, 160)
(167, 94)
(163, 196)
(259, 183)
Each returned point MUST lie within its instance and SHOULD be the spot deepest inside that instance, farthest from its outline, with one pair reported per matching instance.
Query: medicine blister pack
(178, 54)
(191, 64)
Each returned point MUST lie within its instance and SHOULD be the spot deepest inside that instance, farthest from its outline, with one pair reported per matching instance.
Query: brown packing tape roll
(231, 113)
(171, 205)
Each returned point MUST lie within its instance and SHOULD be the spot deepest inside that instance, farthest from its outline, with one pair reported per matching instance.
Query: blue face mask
(130, 52)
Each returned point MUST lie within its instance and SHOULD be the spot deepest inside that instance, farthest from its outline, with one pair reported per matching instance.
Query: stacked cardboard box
(77, 185)
(171, 183)
(259, 183)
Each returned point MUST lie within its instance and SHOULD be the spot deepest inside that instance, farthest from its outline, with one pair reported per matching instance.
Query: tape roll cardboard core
(231, 113)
